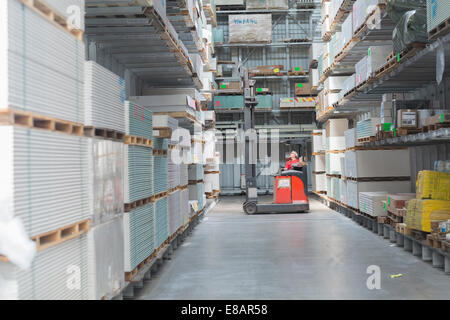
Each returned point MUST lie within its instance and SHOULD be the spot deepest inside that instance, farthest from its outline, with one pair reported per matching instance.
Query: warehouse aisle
(320, 255)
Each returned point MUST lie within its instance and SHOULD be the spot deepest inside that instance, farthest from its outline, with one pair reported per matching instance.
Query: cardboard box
(406, 118)
(398, 201)
(230, 85)
(287, 103)
(439, 118)
(303, 89)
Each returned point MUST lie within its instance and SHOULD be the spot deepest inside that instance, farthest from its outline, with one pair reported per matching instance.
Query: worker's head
(294, 155)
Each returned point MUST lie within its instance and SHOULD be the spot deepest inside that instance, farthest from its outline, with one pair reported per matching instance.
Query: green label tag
(395, 132)
(223, 86)
(384, 206)
(370, 51)
(398, 57)
(297, 69)
(258, 89)
(299, 85)
(389, 201)
(442, 117)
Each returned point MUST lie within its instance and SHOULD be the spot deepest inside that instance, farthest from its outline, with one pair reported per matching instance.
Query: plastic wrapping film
(184, 206)
(433, 185)
(195, 172)
(421, 212)
(267, 4)
(411, 28)
(371, 203)
(174, 168)
(249, 28)
(106, 169)
(106, 259)
(397, 8)
(57, 273)
(175, 212)
(139, 235)
(138, 175)
(42, 65)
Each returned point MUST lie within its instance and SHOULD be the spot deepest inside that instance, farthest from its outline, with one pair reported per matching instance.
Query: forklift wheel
(250, 207)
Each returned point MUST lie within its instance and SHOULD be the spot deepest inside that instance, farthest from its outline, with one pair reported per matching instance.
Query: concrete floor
(319, 255)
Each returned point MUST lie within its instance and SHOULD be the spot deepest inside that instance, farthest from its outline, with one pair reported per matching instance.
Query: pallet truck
(290, 188)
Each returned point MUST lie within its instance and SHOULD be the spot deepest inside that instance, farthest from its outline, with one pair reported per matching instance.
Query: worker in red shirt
(293, 159)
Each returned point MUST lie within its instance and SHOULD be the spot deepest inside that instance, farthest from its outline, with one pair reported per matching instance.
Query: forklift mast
(250, 103)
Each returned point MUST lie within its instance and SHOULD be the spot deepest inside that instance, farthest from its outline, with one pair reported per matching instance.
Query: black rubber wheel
(250, 208)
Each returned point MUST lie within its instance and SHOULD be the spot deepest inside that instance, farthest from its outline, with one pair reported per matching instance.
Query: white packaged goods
(333, 163)
(423, 114)
(321, 182)
(184, 176)
(249, 28)
(342, 159)
(210, 116)
(319, 163)
(437, 12)
(195, 172)
(197, 63)
(314, 77)
(49, 275)
(213, 179)
(164, 121)
(180, 94)
(41, 185)
(173, 166)
(106, 259)
(69, 8)
(361, 71)
(328, 189)
(325, 26)
(377, 163)
(406, 118)
(343, 190)
(45, 76)
(184, 206)
(267, 4)
(335, 191)
(315, 51)
(361, 10)
(350, 138)
(318, 140)
(139, 235)
(334, 83)
(347, 29)
(105, 98)
(354, 187)
(336, 128)
(167, 103)
(367, 128)
(107, 170)
(371, 203)
(175, 219)
(348, 85)
(376, 58)
(331, 99)
(325, 11)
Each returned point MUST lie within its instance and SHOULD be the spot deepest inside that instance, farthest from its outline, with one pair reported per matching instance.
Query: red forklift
(290, 188)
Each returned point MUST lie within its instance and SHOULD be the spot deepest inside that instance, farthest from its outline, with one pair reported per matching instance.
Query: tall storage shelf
(85, 177)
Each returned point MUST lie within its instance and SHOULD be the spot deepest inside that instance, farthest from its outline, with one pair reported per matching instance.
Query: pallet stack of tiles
(139, 218)
(319, 177)
(49, 177)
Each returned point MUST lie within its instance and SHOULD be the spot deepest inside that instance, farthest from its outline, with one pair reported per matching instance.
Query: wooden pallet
(434, 241)
(52, 238)
(361, 148)
(160, 132)
(31, 120)
(211, 172)
(367, 139)
(402, 229)
(394, 218)
(441, 30)
(436, 126)
(367, 179)
(160, 153)
(419, 235)
(191, 182)
(54, 17)
(445, 246)
(178, 115)
(136, 204)
(406, 131)
(139, 141)
(384, 135)
(160, 196)
(91, 131)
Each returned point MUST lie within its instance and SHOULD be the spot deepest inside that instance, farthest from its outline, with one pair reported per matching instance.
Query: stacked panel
(43, 65)
(105, 98)
(139, 235)
(139, 175)
(175, 212)
(161, 221)
(160, 174)
(138, 120)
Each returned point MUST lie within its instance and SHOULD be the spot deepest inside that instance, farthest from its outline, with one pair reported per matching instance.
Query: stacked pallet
(319, 175)
(334, 152)
(45, 172)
